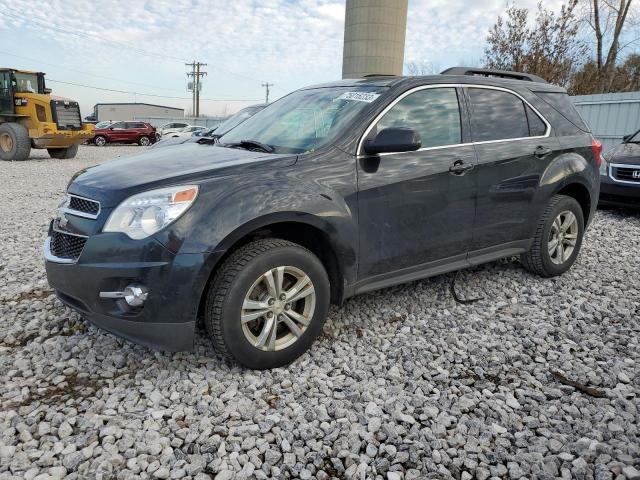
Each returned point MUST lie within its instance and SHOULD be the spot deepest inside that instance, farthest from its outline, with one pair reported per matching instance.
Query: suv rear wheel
(144, 141)
(558, 238)
(267, 303)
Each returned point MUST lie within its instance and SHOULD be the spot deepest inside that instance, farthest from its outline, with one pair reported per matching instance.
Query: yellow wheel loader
(30, 117)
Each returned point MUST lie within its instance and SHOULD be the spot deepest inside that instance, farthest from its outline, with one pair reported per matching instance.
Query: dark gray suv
(331, 191)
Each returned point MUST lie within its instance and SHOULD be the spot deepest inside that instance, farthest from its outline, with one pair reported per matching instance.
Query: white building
(132, 111)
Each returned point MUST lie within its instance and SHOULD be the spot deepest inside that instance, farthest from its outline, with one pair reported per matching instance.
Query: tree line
(588, 46)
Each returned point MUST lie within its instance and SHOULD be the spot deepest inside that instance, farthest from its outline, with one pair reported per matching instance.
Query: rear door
(6, 95)
(514, 148)
(413, 211)
(132, 131)
(117, 132)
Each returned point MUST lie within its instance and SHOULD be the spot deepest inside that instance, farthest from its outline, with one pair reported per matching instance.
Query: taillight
(596, 147)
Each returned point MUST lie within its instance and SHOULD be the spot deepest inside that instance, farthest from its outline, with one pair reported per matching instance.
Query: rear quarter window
(561, 103)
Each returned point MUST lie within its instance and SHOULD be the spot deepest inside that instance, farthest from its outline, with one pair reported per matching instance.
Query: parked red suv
(126, 132)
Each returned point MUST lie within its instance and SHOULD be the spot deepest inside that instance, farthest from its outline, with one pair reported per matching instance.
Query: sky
(139, 47)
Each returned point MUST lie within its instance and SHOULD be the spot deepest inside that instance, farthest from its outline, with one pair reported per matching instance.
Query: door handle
(541, 151)
(460, 168)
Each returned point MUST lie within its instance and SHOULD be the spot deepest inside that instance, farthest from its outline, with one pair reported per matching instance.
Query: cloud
(290, 43)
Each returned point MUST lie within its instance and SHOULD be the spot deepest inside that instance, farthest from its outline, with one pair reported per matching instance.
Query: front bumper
(47, 135)
(110, 262)
(618, 194)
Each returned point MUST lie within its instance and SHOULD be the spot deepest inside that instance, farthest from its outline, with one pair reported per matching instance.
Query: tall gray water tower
(374, 33)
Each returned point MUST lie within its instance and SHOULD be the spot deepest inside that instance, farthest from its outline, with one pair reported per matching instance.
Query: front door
(6, 95)
(416, 209)
(514, 149)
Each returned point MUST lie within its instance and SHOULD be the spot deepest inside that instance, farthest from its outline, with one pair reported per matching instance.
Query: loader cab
(6, 93)
(14, 82)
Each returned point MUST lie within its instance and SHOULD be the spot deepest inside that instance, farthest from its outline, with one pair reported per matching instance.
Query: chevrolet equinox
(331, 191)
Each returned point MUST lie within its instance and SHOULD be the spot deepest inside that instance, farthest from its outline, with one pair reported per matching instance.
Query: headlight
(146, 213)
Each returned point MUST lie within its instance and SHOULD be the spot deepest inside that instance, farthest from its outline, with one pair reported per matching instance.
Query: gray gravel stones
(403, 384)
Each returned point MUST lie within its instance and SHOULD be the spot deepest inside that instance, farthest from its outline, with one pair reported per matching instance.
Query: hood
(115, 180)
(625, 153)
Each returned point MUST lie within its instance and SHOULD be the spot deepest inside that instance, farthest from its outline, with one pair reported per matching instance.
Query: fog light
(135, 294)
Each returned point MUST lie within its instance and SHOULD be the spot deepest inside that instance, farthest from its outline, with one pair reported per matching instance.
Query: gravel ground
(404, 382)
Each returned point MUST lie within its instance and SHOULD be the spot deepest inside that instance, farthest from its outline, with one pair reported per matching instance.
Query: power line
(153, 95)
(14, 14)
(85, 73)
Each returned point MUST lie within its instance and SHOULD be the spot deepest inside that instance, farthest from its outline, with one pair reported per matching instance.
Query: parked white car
(171, 128)
(185, 132)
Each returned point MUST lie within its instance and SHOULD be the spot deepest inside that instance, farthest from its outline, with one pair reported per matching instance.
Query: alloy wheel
(144, 141)
(563, 237)
(100, 141)
(278, 308)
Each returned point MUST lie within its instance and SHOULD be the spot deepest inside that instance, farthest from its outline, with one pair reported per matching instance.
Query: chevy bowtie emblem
(636, 174)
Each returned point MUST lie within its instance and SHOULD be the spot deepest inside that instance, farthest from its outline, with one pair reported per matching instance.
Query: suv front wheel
(558, 238)
(267, 303)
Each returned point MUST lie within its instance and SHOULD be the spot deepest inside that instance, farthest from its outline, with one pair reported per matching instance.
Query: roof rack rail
(379, 75)
(488, 72)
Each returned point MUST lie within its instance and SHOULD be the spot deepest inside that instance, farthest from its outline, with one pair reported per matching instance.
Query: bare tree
(549, 48)
(606, 20)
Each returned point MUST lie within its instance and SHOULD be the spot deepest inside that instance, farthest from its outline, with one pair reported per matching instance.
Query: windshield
(237, 118)
(104, 124)
(26, 82)
(304, 120)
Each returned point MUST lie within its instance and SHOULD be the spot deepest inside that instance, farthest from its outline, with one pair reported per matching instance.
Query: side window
(117, 126)
(537, 127)
(434, 113)
(496, 115)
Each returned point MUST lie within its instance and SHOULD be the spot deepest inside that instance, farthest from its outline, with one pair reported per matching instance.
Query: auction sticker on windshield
(359, 96)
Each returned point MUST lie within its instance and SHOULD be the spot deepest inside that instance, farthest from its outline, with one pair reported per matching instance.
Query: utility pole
(266, 86)
(196, 73)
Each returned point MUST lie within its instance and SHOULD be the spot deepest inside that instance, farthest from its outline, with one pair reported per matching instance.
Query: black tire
(100, 140)
(144, 141)
(234, 280)
(538, 260)
(15, 143)
(63, 153)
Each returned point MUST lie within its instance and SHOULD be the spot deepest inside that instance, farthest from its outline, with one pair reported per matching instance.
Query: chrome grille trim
(87, 213)
(613, 177)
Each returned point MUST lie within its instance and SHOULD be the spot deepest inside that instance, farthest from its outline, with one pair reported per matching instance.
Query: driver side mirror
(393, 140)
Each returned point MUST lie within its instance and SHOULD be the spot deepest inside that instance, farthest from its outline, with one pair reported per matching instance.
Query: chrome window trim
(360, 153)
(623, 165)
(50, 257)
(78, 213)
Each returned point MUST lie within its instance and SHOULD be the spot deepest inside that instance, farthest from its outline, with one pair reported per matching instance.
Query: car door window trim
(360, 151)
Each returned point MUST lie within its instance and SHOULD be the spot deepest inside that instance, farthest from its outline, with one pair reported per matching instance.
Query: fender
(566, 169)
(233, 207)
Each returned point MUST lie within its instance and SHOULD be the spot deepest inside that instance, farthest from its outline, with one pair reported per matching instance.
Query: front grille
(66, 114)
(626, 174)
(66, 246)
(84, 205)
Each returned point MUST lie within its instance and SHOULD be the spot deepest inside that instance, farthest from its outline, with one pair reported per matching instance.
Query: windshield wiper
(209, 140)
(248, 144)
